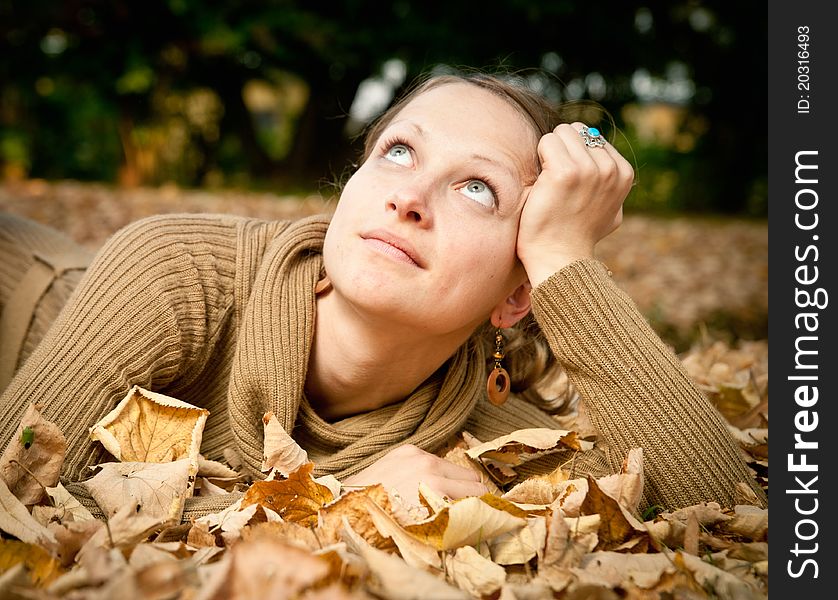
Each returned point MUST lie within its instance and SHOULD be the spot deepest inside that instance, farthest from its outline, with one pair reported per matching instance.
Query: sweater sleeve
(636, 390)
(142, 314)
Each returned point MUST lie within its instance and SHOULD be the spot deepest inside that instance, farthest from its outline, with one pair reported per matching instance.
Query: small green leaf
(27, 436)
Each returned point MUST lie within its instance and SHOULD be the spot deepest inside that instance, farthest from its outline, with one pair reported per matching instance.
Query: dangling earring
(497, 387)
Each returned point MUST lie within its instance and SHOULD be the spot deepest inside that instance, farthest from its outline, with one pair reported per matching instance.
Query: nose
(410, 203)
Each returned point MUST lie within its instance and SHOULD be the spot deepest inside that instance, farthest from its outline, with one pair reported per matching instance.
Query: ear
(513, 308)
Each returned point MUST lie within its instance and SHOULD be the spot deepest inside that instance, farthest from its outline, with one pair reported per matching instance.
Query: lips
(392, 245)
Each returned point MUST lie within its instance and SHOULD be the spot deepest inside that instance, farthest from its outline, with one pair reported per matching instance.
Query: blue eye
(399, 154)
(479, 191)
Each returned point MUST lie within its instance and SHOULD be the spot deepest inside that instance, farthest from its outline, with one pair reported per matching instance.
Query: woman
(365, 334)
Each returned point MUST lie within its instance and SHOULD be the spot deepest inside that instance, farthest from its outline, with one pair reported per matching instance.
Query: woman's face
(425, 230)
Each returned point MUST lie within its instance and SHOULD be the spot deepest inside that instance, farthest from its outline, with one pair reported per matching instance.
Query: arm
(142, 314)
(636, 390)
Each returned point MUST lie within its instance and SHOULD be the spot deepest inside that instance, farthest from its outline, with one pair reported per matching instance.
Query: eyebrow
(475, 156)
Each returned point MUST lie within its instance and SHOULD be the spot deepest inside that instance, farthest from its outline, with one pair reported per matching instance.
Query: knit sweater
(218, 311)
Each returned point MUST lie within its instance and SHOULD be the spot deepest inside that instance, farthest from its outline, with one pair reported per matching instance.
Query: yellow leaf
(468, 521)
(151, 427)
(414, 553)
(40, 565)
(296, 499)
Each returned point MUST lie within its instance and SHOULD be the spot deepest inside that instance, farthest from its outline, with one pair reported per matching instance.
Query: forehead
(468, 115)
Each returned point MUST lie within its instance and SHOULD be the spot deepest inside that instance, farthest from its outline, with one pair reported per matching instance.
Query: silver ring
(593, 138)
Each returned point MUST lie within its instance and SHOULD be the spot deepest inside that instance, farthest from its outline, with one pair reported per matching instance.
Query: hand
(405, 467)
(576, 201)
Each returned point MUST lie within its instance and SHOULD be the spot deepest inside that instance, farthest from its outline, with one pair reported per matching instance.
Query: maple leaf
(150, 427)
(296, 499)
(33, 458)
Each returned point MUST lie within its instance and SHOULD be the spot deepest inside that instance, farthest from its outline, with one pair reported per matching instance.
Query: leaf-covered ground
(551, 536)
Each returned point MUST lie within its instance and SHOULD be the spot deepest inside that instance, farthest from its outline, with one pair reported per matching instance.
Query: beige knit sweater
(219, 312)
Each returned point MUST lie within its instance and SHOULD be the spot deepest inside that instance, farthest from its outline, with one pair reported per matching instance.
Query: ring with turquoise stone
(593, 138)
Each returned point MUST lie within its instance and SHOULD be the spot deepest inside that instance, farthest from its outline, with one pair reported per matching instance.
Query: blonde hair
(529, 361)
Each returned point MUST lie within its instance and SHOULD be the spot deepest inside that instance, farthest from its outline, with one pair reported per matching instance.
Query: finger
(449, 470)
(576, 149)
(455, 488)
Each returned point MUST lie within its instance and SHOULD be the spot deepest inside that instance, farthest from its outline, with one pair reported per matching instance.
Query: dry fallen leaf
(613, 568)
(414, 552)
(527, 444)
(568, 540)
(266, 569)
(468, 521)
(473, 573)
(355, 506)
(281, 452)
(73, 509)
(150, 427)
(33, 458)
(391, 577)
(617, 526)
(158, 489)
(42, 567)
(626, 487)
(16, 520)
(297, 498)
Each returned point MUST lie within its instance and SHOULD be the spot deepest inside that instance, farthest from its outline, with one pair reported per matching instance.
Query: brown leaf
(615, 527)
(124, 529)
(518, 546)
(159, 489)
(71, 536)
(151, 427)
(565, 544)
(199, 536)
(615, 568)
(296, 499)
(527, 444)
(33, 458)
(691, 535)
(354, 506)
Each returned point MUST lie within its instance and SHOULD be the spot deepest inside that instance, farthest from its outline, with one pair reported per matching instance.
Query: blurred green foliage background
(272, 93)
